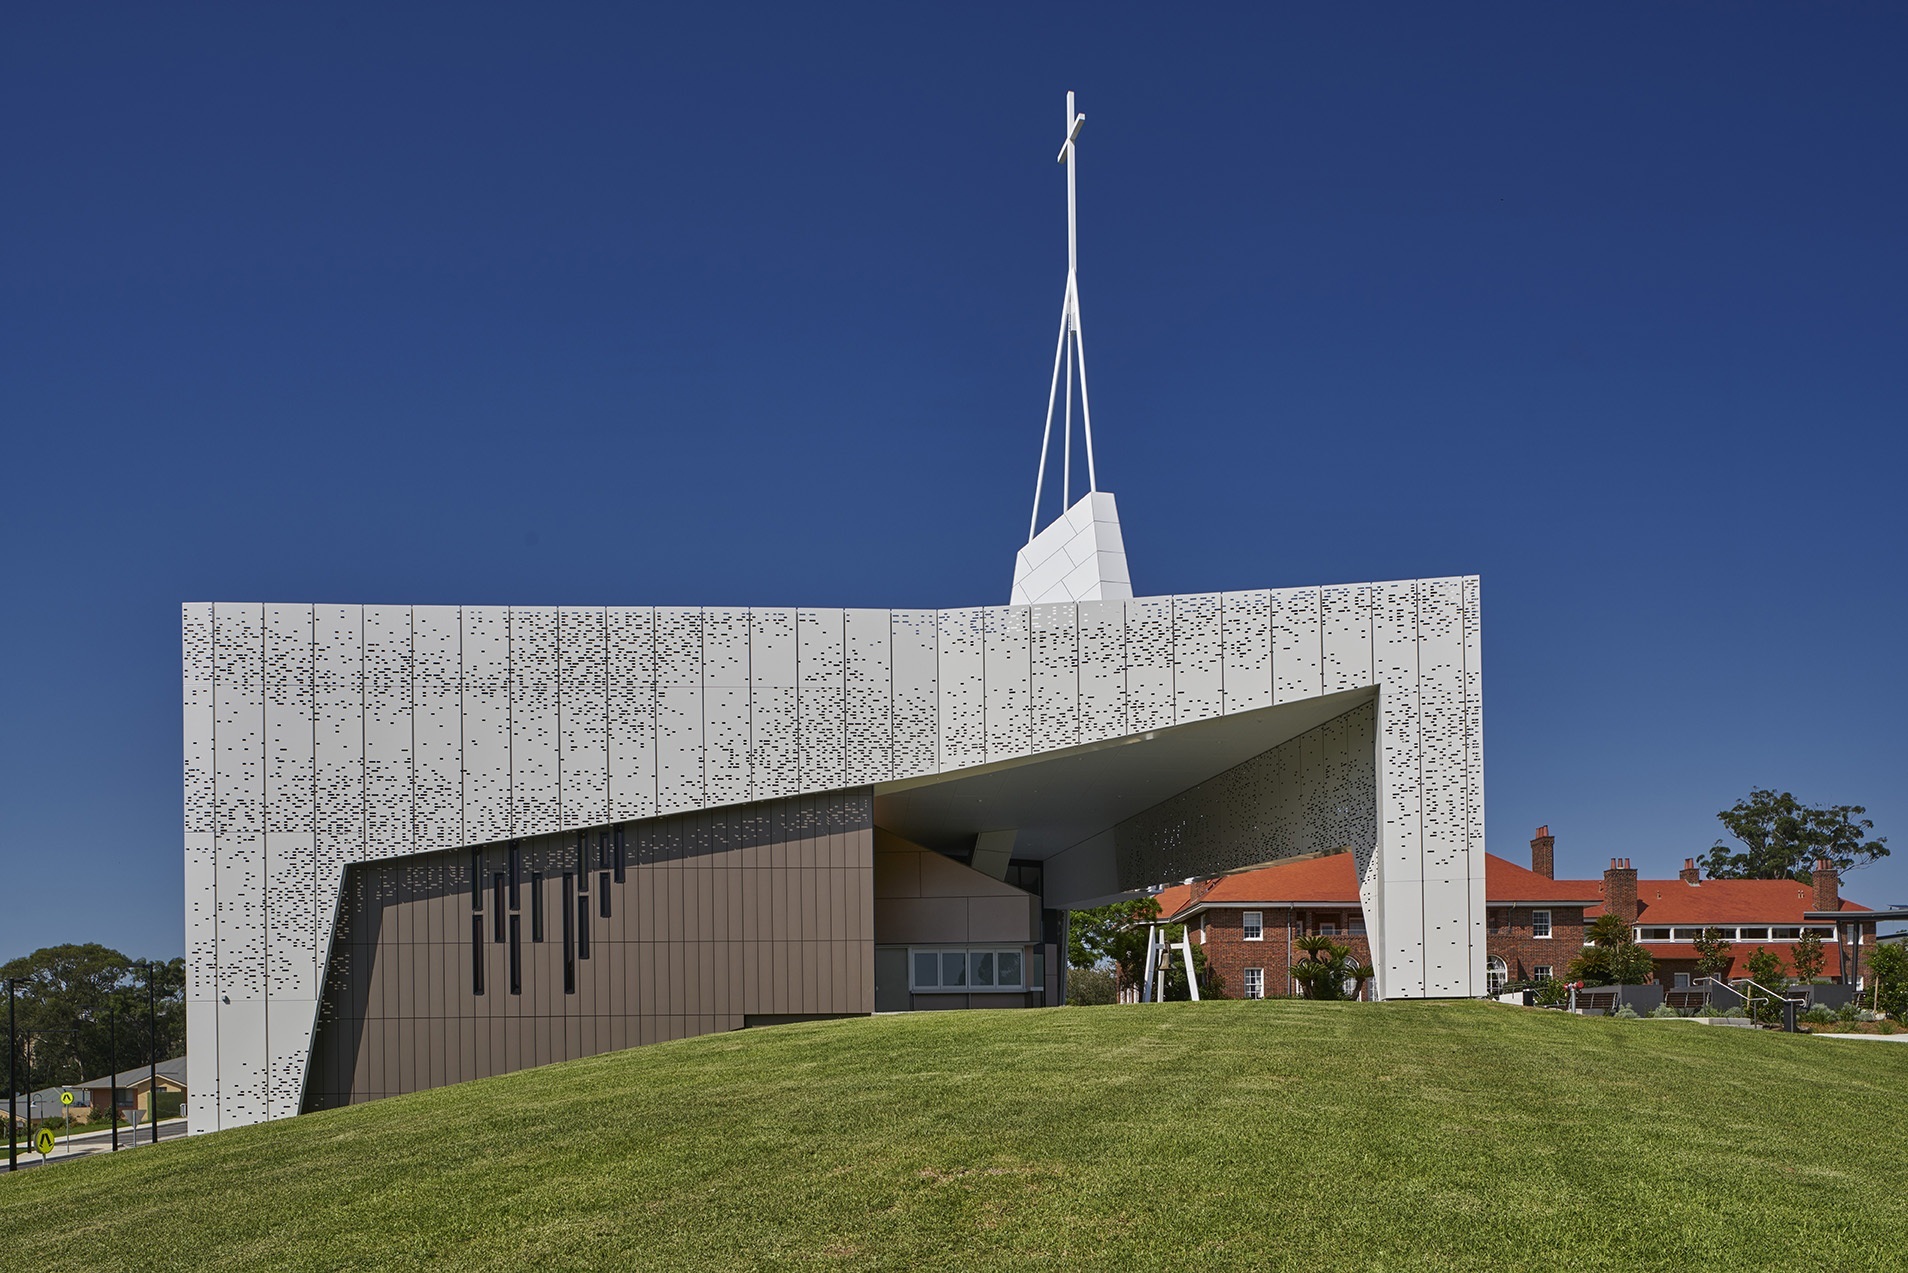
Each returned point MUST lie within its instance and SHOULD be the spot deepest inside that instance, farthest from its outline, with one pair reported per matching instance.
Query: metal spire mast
(1069, 349)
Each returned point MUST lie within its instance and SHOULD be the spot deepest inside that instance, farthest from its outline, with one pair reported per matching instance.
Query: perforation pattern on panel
(1443, 814)
(632, 712)
(534, 803)
(291, 965)
(1055, 649)
(201, 920)
(484, 706)
(390, 783)
(679, 725)
(1008, 675)
(914, 648)
(1345, 613)
(1102, 670)
(725, 705)
(1149, 663)
(1394, 629)
(1198, 658)
(869, 674)
(583, 715)
(775, 765)
(1312, 794)
(1246, 629)
(962, 644)
(437, 725)
(239, 868)
(821, 699)
(1474, 725)
(1296, 644)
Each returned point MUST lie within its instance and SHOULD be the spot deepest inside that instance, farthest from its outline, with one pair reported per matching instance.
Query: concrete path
(1898, 1037)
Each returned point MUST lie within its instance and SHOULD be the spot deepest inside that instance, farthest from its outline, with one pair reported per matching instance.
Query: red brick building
(1248, 922)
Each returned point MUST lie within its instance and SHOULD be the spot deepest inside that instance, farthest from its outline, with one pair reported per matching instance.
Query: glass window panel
(1253, 925)
(953, 968)
(927, 968)
(1007, 968)
(982, 969)
(1752, 934)
(1540, 923)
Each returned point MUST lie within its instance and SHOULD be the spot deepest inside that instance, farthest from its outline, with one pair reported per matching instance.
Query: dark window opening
(536, 906)
(582, 859)
(516, 954)
(569, 939)
(477, 953)
(602, 895)
(620, 855)
(476, 879)
(497, 891)
(516, 874)
(583, 926)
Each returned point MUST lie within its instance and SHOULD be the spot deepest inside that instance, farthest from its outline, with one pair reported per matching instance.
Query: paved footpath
(86, 1144)
(1898, 1037)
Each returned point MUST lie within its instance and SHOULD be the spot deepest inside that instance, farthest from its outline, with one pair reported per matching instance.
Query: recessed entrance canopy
(1071, 800)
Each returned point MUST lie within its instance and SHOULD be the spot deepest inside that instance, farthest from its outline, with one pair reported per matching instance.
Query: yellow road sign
(44, 1141)
(66, 1098)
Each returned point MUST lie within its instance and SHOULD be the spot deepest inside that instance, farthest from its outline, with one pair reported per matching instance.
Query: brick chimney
(1619, 890)
(1200, 888)
(1690, 874)
(1828, 887)
(1543, 853)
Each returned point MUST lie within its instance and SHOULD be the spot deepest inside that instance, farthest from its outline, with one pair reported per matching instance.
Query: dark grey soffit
(1057, 799)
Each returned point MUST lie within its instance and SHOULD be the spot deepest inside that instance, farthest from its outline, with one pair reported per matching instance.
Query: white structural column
(315, 737)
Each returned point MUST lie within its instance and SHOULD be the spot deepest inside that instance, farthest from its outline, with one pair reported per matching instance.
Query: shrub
(1820, 1014)
(1736, 1013)
(1552, 994)
(1625, 1012)
(1665, 1011)
(1847, 1012)
(1089, 985)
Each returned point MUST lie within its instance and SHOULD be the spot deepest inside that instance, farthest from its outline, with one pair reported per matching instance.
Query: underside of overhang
(1056, 800)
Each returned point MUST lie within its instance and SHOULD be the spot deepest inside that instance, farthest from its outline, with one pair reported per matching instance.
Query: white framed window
(1682, 981)
(1255, 983)
(1327, 928)
(1495, 974)
(1785, 934)
(1752, 934)
(965, 969)
(1252, 926)
(1540, 924)
(1652, 934)
(1541, 972)
(1356, 926)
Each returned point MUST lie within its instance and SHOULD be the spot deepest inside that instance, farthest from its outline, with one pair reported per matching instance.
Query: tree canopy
(1613, 958)
(77, 998)
(1780, 838)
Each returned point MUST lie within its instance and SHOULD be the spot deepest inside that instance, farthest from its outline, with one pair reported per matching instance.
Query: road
(86, 1144)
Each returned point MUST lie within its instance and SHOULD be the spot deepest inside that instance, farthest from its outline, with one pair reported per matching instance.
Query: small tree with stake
(1715, 954)
(1806, 955)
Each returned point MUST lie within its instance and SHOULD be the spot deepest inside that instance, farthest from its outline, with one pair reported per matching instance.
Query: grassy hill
(1185, 1136)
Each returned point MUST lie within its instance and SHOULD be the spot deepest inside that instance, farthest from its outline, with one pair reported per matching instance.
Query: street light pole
(13, 1086)
(152, 1054)
(112, 1069)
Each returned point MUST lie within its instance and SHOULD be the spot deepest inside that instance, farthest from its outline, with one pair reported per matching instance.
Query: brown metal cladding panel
(807, 900)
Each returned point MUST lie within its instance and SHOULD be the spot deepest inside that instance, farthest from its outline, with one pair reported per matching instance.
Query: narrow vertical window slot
(516, 954)
(602, 895)
(583, 860)
(497, 893)
(536, 906)
(583, 926)
(569, 940)
(516, 874)
(477, 879)
(620, 854)
(477, 951)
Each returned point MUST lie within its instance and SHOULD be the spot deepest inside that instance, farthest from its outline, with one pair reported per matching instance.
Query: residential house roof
(1333, 881)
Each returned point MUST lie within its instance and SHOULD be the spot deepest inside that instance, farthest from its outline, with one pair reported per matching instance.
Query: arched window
(1495, 974)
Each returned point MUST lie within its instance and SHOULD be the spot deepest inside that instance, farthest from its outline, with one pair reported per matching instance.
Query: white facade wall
(317, 736)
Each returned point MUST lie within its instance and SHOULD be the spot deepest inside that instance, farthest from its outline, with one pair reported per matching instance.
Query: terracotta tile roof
(1739, 963)
(1333, 880)
(1720, 901)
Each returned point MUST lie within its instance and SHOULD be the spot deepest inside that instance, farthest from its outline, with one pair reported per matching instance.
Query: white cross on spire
(1068, 349)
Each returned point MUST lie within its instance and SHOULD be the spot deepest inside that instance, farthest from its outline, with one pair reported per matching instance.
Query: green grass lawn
(1208, 1136)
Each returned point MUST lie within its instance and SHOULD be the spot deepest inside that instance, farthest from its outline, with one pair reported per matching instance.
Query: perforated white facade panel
(319, 736)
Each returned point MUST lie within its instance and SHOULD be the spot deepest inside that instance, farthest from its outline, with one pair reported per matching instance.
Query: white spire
(1093, 564)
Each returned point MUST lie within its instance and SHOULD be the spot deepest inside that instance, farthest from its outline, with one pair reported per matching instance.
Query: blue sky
(756, 306)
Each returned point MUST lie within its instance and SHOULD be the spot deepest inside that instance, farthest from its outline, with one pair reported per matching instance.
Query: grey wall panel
(583, 715)
(962, 645)
(1441, 722)
(196, 656)
(1474, 725)
(679, 748)
(1055, 659)
(868, 671)
(484, 722)
(337, 743)
(1401, 865)
(292, 937)
(1102, 670)
(1198, 658)
(1149, 663)
(775, 765)
(631, 710)
(1007, 673)
(914, 647)
(1246, 625)
(535, 802)
(437, 725)
(201, 890)
(725, 705)
(1296, 644)
(390, 779)
(1345, 617)
(240, 880)
(821, 699)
